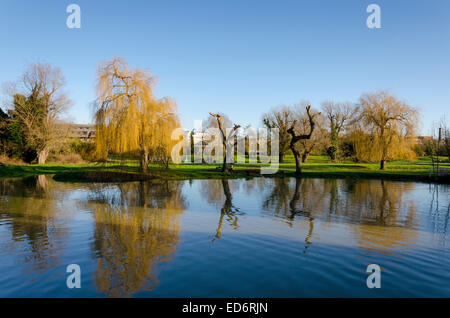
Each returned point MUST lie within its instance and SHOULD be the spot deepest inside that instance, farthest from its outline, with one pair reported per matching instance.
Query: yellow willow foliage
(386, 128)
(128, 116)
(368, 147)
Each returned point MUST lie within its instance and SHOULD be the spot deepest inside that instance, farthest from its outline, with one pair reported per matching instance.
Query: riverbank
(317, 167)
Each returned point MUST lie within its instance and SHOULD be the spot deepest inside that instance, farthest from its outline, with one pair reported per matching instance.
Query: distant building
(83, 132)
(421, 139)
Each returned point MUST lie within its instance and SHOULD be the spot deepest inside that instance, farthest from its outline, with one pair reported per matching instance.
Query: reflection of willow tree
(30, 208)
(136, 226)
(381, 203)
(363, 202)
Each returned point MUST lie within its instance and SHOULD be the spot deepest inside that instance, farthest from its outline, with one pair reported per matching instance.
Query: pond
(262, 237)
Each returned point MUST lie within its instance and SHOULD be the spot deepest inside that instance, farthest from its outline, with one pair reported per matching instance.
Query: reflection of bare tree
(364, 202)
(228, 211)
(359, 201)
(277, 201)
(289, 204)
(29, 208)
(136, 226)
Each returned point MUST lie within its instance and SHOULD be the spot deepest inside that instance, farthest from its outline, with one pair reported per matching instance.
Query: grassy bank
(317, 166)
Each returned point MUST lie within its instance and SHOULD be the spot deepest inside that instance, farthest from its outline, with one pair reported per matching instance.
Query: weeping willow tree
(386, 129)
(129, 119)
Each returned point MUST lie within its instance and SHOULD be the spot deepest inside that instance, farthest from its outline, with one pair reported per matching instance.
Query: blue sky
(240, 57)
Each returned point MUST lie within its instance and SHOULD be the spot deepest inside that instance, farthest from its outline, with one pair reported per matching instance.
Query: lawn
(317, 166)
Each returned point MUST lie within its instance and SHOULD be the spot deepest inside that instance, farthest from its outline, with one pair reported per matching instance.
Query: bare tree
(338, 115)
(228, 142)
(295, 138)
(445, 136)
(319, 138)
(281, 118)
(38, 103)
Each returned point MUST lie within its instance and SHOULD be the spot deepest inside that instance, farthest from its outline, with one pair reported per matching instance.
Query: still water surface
(264, 237)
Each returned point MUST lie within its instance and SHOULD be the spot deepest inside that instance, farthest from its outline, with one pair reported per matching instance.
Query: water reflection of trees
(219, 193)
(136, 226)
(439, 214)
(364, 203)
(359, 201)
(29, 207)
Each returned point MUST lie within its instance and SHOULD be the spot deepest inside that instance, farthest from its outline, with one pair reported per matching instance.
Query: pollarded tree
(319, 138)
(389, 125)
(228, 141)
(129, 119)
(295, 138)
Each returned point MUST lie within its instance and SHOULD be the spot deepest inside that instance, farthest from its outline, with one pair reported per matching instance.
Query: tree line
(132, 122)
(379, 127)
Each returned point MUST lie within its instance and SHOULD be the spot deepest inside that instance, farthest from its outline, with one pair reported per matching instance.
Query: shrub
(85, 149)
(72, 158)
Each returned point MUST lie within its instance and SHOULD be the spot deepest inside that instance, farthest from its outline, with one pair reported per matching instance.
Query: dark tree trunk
(305, 157)
(295, 138)
(226, 166)
(382, 164)
(280, 157)
(144, 161)
(227, 208)
(298, 164)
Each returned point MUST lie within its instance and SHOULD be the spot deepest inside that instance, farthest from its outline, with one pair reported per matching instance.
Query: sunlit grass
(319, 166)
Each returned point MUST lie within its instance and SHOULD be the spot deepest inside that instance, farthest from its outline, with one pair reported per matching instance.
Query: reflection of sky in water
(261, 237)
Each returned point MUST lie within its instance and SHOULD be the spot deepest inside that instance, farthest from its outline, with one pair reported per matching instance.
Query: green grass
(317, 166)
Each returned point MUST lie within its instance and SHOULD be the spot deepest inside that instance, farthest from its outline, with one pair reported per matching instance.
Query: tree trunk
(144, 161)
(295, 138)
(42, 156)
(305, 157)
(334, 143)
(298, 164)
(280, 157)
(382, 164)
(226, 209)
(227, 166)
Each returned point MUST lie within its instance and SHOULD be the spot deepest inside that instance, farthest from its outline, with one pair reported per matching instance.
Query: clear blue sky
(241, 57)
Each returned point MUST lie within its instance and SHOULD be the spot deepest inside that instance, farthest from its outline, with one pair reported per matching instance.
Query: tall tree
(445, 136)
(228, 141)
(390, 125)
(318, 140)
(296, 138)
(38, 101)
(129, 119)
(282, 119)
(338, 115)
